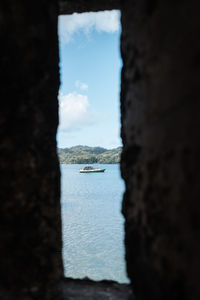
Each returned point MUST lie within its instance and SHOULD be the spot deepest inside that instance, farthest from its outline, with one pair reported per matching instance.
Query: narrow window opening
(89, 134)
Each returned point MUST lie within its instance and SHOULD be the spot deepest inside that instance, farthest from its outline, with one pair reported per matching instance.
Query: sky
(90, 65)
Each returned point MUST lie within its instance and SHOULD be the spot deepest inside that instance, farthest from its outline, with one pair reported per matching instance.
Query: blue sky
(90, 66)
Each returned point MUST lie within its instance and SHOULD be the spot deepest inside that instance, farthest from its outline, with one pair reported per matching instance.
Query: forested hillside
(89, 155)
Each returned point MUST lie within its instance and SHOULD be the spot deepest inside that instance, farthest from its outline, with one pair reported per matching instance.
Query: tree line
(89, 155)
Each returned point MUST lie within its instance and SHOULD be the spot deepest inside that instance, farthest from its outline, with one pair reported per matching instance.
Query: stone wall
(160, 162)
(30, 223)
(79, 6)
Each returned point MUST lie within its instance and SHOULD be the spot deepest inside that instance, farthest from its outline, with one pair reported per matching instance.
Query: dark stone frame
(160, 160)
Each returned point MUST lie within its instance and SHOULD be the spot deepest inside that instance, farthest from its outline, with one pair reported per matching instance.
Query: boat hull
(92, 171)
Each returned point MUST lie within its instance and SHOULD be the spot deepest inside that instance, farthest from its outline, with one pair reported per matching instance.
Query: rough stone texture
(103, 290)
(30, 227)
(160, 161)
(79, 6)
(75, 289)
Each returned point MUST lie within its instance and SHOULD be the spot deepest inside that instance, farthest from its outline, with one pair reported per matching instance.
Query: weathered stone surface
(69, 7)
(160, 161)
(103, 290)
(30, 223)
(74, 289)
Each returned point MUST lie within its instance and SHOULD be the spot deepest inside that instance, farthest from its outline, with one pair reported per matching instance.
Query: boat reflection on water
(89, 169)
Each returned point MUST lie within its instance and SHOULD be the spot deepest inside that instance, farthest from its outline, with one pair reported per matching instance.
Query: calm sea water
(93, 230)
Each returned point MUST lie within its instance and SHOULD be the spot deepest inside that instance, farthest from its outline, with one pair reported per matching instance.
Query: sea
(92, 223)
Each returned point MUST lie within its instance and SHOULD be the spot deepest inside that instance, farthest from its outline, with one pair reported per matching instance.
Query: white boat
(89, 169)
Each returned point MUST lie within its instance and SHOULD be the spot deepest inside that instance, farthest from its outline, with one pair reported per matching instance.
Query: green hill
(89, 155)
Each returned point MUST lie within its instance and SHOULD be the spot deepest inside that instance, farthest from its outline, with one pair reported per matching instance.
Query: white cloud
(107, 21)
(81, 85)
(73, 111)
